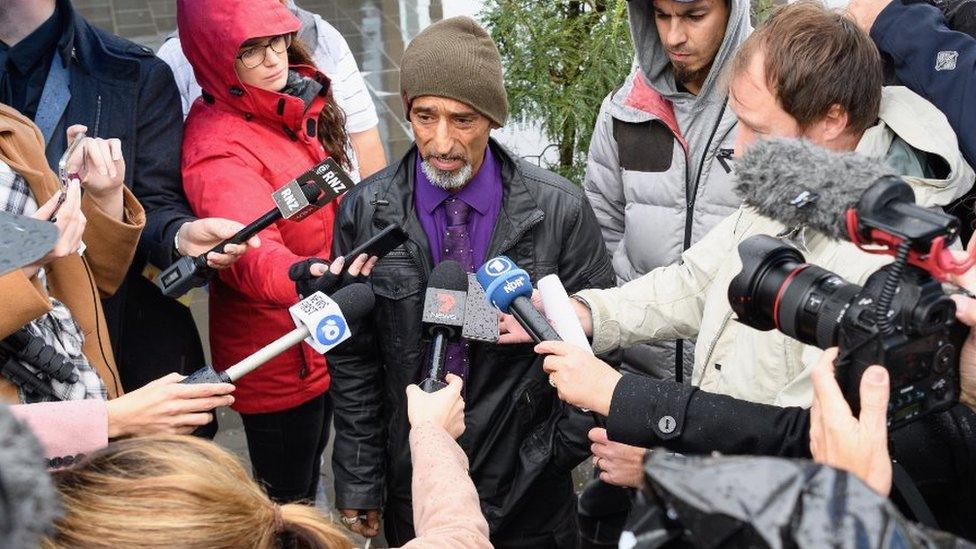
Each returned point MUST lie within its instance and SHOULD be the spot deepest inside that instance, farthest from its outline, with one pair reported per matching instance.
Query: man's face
(691, 32)
(452, 138)
(760, 114)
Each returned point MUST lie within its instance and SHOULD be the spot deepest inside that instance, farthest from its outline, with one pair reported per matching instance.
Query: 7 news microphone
(295, 201)
(443, 317)
(323, 322)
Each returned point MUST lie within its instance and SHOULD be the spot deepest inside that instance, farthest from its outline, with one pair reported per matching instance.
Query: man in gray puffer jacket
(659, 168)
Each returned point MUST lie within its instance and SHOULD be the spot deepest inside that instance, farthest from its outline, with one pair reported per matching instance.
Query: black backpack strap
(912, 497)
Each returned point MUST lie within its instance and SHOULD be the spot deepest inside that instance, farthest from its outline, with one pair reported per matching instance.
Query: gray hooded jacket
(659, 168)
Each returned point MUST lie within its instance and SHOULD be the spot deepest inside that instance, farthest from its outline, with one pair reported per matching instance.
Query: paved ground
(376, 31)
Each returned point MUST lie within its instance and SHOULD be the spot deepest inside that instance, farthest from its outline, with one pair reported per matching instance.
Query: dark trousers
(286, 448)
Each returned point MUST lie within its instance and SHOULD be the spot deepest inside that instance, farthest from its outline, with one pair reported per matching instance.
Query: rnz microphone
(295, 201)
(510, 289)
(323, 322)
(443, 318)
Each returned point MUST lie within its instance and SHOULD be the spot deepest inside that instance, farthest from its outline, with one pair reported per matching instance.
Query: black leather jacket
(521, 441)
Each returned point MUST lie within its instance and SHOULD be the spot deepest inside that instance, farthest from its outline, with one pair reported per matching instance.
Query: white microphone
(322, 322)
(559, 311)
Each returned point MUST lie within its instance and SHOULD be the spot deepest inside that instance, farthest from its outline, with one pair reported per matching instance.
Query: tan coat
(78, 281)
(690, 299)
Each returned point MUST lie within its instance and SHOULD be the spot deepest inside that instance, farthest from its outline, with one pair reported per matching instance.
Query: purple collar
(477, 193)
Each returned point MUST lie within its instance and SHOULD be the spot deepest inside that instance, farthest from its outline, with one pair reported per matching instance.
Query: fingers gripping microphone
(443, 318)
(510, 289)
(323, 323)
(295, 201)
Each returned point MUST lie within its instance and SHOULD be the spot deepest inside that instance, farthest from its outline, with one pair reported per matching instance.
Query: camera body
(900, 319)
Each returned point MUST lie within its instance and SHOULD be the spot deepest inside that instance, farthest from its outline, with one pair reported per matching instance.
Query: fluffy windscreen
(798, 183)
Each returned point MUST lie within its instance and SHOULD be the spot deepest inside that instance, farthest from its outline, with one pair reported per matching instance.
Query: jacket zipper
(712, 345)
(691, 195)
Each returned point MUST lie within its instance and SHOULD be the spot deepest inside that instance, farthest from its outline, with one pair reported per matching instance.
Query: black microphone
(510, 289)
(797, 183)
(294, 201)
(443, 317)
(322, 321)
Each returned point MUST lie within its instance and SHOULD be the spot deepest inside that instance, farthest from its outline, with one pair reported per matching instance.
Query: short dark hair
(815, 58)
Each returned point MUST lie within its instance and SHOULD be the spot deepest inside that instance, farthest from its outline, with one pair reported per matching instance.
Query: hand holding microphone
(580, 378)
(166, 406)
(295, 201)
(444, 407)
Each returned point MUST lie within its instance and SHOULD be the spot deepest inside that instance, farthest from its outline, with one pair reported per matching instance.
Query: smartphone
(63, 174)
(381, 244)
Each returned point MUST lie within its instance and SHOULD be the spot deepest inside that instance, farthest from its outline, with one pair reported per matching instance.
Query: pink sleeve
(446, 508)
(66, 429)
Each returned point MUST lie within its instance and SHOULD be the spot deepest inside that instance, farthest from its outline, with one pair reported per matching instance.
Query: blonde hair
(178, 491)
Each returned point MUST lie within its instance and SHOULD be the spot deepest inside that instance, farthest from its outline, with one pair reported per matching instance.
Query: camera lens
(777, 289)
(766, 265)
(811, 305)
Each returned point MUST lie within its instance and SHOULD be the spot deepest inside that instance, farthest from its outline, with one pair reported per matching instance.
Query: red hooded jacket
(240, 144)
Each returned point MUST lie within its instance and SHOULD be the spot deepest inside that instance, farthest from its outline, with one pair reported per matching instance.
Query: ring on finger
(552, 381)
(349, 522)
(597, 464)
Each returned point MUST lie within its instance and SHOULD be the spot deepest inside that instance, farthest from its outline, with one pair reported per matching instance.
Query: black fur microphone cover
(798, 183)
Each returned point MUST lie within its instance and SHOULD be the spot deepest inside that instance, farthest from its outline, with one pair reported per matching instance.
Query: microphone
(323, 323)
(797, 183)
(24, 240)
(510, 289)
(294, 201)
(443, 319)
(555, 301)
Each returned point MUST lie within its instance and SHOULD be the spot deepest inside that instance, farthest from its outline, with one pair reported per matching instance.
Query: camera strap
(911, 496)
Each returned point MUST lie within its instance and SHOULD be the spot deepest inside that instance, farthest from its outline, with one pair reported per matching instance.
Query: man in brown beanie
(461, 196)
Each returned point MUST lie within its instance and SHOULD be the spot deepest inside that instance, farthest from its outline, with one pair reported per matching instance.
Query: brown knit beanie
(457, 59)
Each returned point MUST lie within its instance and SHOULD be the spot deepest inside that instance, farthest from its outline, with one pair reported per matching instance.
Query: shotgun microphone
(323, 323)
(443, 317)
(295, 201)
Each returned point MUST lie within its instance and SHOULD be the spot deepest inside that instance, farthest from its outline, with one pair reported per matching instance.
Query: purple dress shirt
(484, 196)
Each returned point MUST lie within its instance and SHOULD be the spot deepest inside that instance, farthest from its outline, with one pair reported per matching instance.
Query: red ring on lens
(782, 289)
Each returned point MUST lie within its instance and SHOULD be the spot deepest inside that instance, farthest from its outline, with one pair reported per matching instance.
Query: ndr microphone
(445, 305)
(295, 201)
(323, 323)
(510, 289)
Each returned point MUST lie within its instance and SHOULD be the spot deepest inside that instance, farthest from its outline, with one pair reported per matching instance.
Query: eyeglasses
(253, 56)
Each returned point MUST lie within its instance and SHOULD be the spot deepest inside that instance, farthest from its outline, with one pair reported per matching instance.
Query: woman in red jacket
(265, 116)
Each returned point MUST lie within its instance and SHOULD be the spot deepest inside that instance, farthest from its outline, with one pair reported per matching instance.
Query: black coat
(120, 89)
(937, 452)
(522, 442)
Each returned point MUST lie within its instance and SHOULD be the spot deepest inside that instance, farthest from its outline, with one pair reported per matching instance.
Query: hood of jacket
(653, 61)
(211, 33)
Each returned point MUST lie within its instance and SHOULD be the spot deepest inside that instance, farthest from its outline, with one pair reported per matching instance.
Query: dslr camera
(901, 319)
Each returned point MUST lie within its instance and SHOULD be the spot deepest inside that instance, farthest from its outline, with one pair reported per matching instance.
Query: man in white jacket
(810, 73)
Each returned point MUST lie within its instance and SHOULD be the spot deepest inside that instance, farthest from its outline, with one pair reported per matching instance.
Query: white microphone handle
(266, 353)
(560, 312)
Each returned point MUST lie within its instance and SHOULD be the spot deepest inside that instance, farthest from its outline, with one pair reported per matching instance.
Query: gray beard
(449, 181)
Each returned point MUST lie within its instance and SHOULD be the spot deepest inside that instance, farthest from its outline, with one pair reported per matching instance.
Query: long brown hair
(332, 122)
(178, 491)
